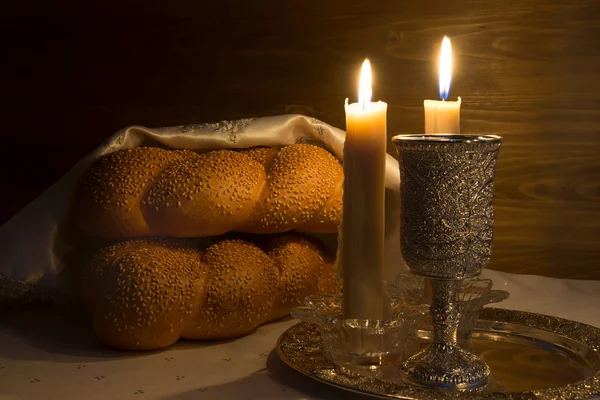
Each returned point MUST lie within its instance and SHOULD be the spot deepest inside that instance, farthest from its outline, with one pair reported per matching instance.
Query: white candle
(362, 230)
(443, 116)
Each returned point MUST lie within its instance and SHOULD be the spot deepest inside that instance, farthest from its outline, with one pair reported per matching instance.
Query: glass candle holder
(360, 345)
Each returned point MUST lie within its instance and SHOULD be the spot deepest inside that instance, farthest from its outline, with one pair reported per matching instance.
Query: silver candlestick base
(447, 216)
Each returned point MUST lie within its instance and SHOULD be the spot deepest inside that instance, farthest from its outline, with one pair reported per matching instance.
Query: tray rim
(581, 333)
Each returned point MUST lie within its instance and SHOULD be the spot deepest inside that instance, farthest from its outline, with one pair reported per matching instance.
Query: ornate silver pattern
(444, 363)
(475, 293)
(232, 127)
(573, 343)
(447, 217)
(447, 213)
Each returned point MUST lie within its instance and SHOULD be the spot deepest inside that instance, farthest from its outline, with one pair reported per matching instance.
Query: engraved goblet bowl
(446, 228)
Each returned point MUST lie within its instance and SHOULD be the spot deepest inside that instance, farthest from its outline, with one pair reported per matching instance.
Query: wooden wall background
(74, 72)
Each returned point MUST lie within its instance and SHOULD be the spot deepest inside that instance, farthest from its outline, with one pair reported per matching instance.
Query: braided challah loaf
(156, 192)
(147, 293)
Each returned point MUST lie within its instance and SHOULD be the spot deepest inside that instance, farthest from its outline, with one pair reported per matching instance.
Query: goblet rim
(444, 138)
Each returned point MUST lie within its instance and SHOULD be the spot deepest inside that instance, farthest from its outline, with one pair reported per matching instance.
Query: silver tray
(531, 356)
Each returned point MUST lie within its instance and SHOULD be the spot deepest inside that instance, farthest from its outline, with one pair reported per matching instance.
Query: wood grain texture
(528, 70)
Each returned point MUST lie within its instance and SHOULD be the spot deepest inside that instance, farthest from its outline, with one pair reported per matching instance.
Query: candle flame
(364, 85)
(445, 68)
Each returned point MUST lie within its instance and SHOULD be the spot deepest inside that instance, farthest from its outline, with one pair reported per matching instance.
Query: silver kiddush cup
(447, 218)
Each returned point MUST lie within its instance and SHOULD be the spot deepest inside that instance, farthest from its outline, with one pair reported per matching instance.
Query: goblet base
(448, 367)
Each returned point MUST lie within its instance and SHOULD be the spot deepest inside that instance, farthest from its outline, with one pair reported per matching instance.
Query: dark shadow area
(50, 333)
(277, 381)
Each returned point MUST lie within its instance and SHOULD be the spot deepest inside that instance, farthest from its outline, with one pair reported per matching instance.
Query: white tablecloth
(43, 356)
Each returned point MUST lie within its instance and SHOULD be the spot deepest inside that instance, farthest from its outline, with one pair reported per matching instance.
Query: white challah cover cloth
(33, 249)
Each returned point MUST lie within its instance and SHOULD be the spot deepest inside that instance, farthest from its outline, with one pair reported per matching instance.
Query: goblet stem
(444, 364)
(445, 312)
